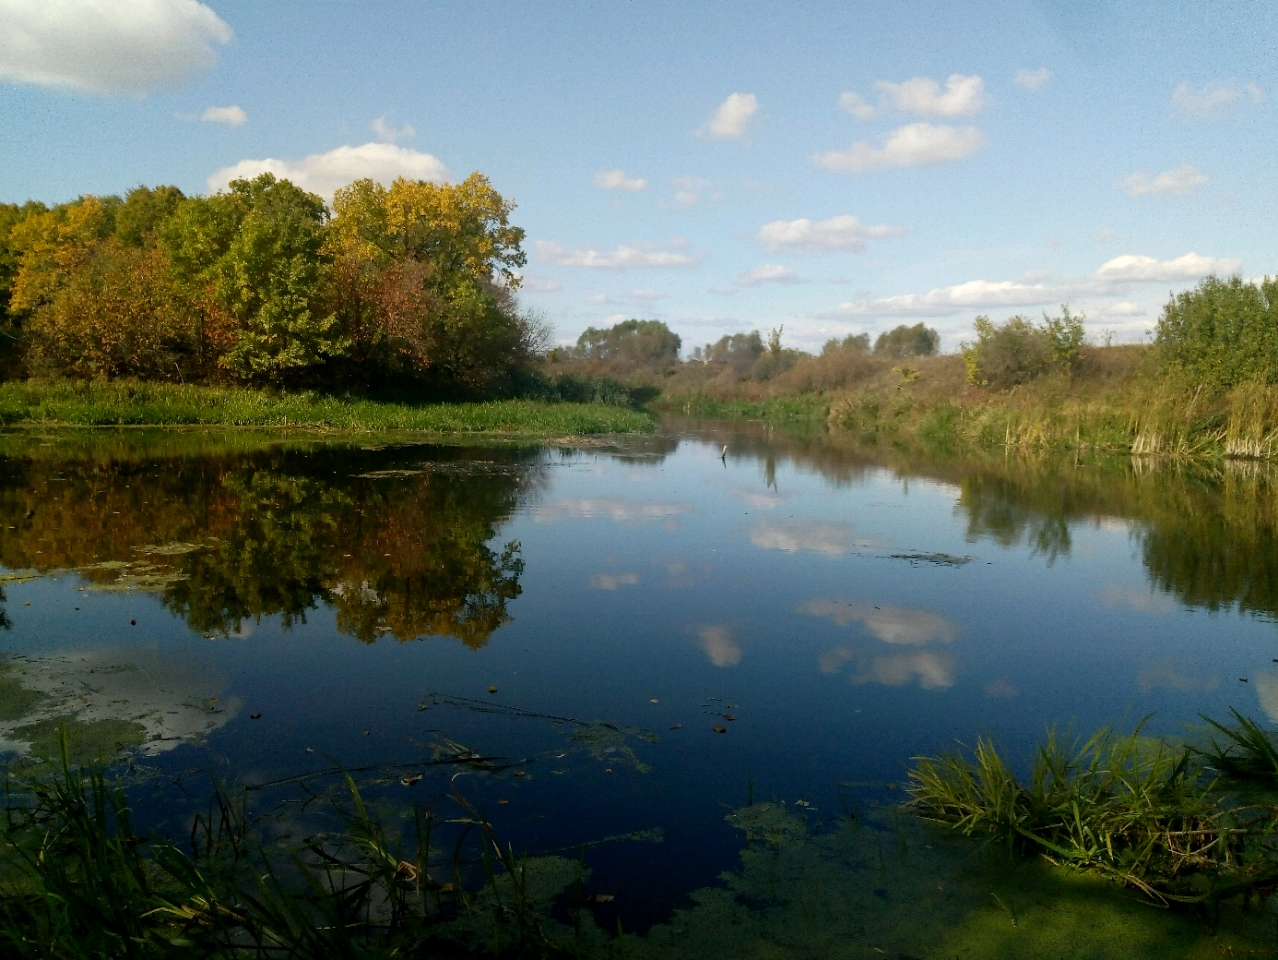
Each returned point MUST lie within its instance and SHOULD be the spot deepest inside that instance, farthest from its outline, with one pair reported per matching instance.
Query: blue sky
(835, 168)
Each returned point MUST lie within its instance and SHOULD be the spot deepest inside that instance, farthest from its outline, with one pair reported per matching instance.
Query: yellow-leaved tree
(423, 277)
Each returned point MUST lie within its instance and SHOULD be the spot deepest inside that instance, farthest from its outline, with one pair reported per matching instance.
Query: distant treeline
(410, 285)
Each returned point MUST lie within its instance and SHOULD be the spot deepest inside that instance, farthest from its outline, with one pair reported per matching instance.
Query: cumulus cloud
(768, 273)
(963, 96)
(231, 116)
(837, 233)
(1032, 79)
(617, 180)
(1111, 277)
(1213, 101)
(622, 258)
(323, 173)
(898, 625)
(1177, 182)
(731, 119)
(914, 145)
(387, 132)
(124, 47)
(717, 644)
(1138, 269)
(943, 301)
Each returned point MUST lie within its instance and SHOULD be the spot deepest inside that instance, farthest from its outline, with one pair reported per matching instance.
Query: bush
(1223, 332)
(1021, 350)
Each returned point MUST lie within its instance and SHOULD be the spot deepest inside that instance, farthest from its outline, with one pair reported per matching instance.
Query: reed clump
(1173, 822)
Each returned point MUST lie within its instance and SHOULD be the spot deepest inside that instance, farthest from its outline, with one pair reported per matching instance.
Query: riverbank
(1113, 403)
(90, 404)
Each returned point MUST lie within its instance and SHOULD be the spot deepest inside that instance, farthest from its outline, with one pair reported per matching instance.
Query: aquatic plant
(77, 880)
(1138, 810)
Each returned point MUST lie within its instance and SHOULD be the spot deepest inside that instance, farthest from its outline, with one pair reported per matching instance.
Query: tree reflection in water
(396, 541)
(1208, 533)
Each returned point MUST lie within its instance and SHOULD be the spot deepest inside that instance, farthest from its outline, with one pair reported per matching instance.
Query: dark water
(835, 611)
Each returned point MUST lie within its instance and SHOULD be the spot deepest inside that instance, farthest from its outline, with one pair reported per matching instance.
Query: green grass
(94, 404)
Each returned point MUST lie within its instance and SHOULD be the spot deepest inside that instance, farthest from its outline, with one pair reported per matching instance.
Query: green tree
(903, 342)
(255, 252)
(858, 343)
(1223, 332)
(633, 344)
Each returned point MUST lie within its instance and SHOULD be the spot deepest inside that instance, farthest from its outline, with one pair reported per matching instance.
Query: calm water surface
(835, 612)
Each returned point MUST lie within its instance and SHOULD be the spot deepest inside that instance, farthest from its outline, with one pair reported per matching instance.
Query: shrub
(1222, 332)
(1020, 350)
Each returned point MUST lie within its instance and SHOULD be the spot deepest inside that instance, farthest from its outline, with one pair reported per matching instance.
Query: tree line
(412, 284)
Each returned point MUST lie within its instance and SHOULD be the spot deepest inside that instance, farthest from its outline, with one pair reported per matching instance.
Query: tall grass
(119, 403)
(1162, 819)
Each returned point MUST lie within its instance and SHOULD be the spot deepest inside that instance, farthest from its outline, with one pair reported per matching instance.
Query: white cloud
(1032, 79)
(717, 644)
(857, 105)
(323, 173)
(731, 119)
(128, 47)
(122, 47)
(547, 251)
(1137, 269)
(231, 116)
(768, 273)
(943, 301)
(1213, 101)
(617, 180)
(1177, 182)
(387, 132)
(1112, 277)
(914, 145)
(837, 233)
(963, 97)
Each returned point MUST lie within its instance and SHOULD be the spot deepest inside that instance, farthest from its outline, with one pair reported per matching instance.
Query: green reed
(1166, 820)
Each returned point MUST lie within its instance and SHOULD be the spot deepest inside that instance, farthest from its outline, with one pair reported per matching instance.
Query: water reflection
(1207, 533)
(889, 624)
(830, 539)
(717, 644)
(396, 543)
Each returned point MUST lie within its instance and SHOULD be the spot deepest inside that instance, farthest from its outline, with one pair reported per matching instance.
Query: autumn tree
(423, 277)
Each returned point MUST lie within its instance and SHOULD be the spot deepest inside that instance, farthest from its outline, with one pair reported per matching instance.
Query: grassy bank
(1113, 403)
(91, 404)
